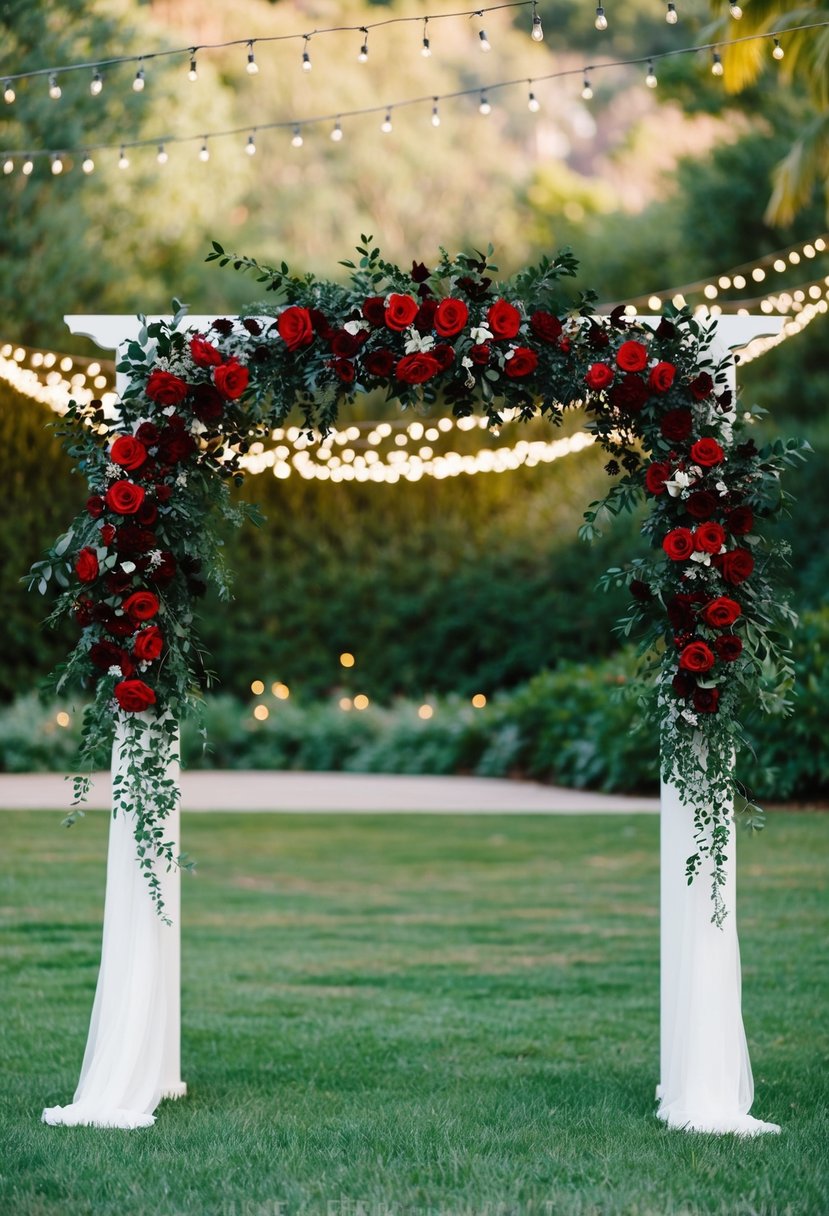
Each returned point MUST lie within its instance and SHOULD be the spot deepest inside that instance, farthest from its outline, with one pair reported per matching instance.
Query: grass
(413, 1016)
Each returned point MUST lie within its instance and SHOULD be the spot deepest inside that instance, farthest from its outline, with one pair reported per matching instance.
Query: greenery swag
(712, 622)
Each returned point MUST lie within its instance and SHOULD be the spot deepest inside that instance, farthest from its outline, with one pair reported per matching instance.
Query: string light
(533, 104)
(96, 84)
(337, 132)
(250, 146)
(483, 106)
(55, 90)
(161, 155)
(363, 55)
(671, 15)
(537, 33)
(306, 55)
(138, 83)
(251, 67)
(587, 89)
(123, 159)
(8, 92)
(601, 20)
(8, 165)
(193, 73)
(204, 152)
(435, 114)
(778, 51)
(27, 166)
(88, 164)
(650, 78)
(716, 64)
(484, 41)
(296, 140)
(57, 164)
(426, 49)
(736, 11)
(385, 126)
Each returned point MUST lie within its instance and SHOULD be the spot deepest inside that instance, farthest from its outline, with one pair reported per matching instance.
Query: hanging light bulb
(306, 55)
(138, 83)
(296, 140)
(650, 79)
(426, 49)
(252, 67)
(363, 55)
(123, 159)
(161, 155)
(386, 124)
(88, 164)
(671, 16)
(8, 93)
(484, 107)
(537, 33)
(337, 133)
(8, 165)
(533, 104)
(250, 146)
(193, 73)
(435, 113)
(57, 164)
(601, 20)
(587, 90)
(716, 64)
(54, 88)
(736, 11)
(204, 151)
(96, 84)
(486, 45)
(778, 51)
(27, 166)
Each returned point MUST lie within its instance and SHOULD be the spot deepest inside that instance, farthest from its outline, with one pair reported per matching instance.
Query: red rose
(231, 379)
(707, 452)
(107, 654)
(400, 312)
(86, 565)
(343, 369)
(728, 647)
(165, 388)
(208, 403)
(165, 570)
(379, 363)
(163, 493)
(721, 613)
(632, 357)
(444, 354)
(450, 317)
(128, 452)
(295, 328)
(662, 377)
(709, 538)
(656, 474)
(523, 362)
(675, 425)
(131, 539)
(740, 521)
(504, 319)
(124, 498)
(204, 353)
(416, 369)
(141, 605)
(735, 566)
(480, 354)
(629, 393)
(344, 344)
(148, 643)
(701, 387)
(374, 311)
(545, 326)
(107, 533)
(697, 657)
(134, 696)
(147, 433)
(599, 376)
(95, 506)
(706, 700)
(701, 504)
(679, 544)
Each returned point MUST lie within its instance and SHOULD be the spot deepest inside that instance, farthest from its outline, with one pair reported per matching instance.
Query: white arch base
(132, 1054)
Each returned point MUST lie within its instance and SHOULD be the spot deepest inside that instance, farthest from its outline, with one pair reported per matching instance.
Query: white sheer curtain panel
(132, 1057)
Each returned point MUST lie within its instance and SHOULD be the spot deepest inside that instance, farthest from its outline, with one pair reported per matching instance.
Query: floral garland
(159, 470)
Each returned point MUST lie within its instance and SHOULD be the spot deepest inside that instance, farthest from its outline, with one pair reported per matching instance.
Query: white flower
(114, 671)
(466, 362)
(679, 482)
(197, 427)
(169, 411)
(480, 334)
(181, 480)
(418, 342)
(354, 327)
(114, 471)
(721, 488)
(153, 558)
(704, 559)
(128, 567)
(689, 716)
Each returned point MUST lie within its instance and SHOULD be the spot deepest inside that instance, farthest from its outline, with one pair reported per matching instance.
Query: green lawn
(413, 1016)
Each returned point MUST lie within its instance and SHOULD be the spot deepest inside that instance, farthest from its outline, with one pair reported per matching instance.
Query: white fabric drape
(132, 1057)
(706, 1081)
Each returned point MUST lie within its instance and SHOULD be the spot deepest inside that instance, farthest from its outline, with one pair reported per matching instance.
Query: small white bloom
(154, 558)
(169, 411)
(480, 334)
(416, 342)
(197, 427)
(355, 327)
(114, 671)
(181, 480)
(690, 717)
(721, 488)
(114, 471)
(679, 482)
(466, 362)
(128, 567)
(704, 559)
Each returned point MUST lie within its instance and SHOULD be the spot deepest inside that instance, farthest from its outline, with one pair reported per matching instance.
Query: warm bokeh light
(63, 718)
(346, 703)
(280, 691)
(479, 700)
(346, 659)
(425, 712)
(261, 712)
(257, 688)
(361, 701)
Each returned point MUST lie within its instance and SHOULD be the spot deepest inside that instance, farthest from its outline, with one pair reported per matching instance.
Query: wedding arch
(659, 395)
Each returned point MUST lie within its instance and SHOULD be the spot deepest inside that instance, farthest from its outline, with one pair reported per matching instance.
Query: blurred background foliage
(438, 588)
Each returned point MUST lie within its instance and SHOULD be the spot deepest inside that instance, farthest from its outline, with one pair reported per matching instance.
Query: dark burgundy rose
(223, 326)
(165, 571)
(666, 330)
(374, 311)
(639, 590)
(148, 433)
(701, 387)
(676, 425)
(480, 354)
(735, 566)
(147, 513)
(680, 608)
(175, 445)
(343, 369)
(163, 493)
(545, 326)
(598, 337)
(728, 647)
(683, 684)
(707, 700)
(701, 504)
(345, 344)
(107, 533)
(420, 273)
(740, 521)
(106, 654)
(476, 289)
(746, 450)
(629, 393)
(724, 400)
(117, 583)
(208, 403)
(131, 539)
(320, 324)
(83, 611)
(444, 354)
(259, 354)
(379, 363)
(252, 326)
(425, 320)
(96, 506)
